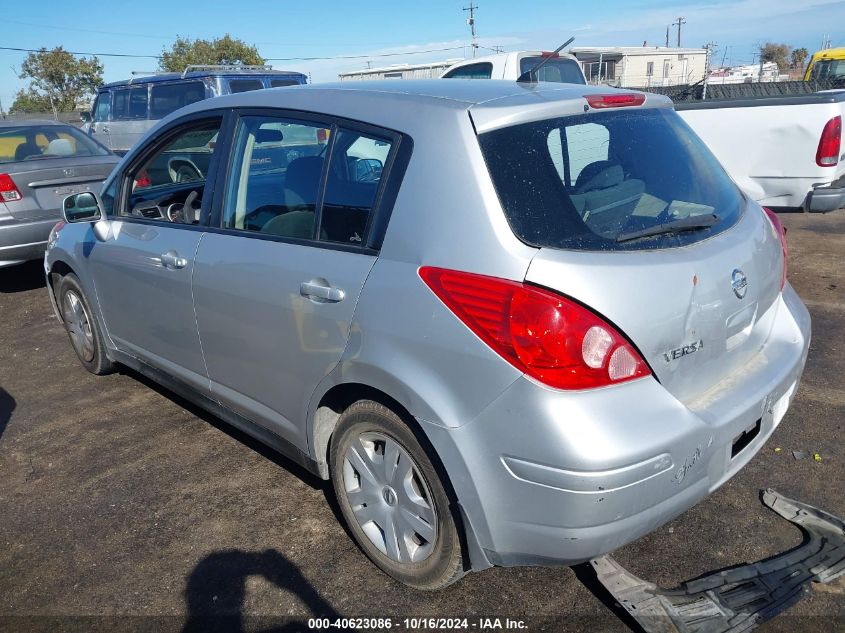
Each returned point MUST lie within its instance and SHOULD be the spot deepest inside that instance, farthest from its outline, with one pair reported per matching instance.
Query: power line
(39, 50)
(269, 59)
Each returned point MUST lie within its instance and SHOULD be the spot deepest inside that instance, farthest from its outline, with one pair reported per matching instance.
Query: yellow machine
(826, 64)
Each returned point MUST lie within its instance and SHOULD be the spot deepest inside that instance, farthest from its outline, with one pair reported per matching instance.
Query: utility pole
(667, 36)
(471, 22)
(679, 23)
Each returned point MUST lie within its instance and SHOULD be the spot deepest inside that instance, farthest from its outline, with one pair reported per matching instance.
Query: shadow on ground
(22, 277)
(216, 590)
(7, 405)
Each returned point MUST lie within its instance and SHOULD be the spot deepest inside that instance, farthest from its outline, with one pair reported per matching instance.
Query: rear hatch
(635, 219)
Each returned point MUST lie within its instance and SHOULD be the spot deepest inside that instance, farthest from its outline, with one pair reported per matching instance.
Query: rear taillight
(830, 143)
(780, 229)
(552, 339)
(9, 192)
(614, 100)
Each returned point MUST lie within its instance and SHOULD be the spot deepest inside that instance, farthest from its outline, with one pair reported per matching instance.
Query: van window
(165, 98)
(101, 110)
(481, 70)
(130, 103)
(583, 182)
(280, 83)
(244, 85)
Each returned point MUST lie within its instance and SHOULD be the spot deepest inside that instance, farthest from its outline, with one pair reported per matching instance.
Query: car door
(142, 270)
(100, 122)
(277, 276)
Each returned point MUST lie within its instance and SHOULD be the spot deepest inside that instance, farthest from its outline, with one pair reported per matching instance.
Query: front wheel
(392, 498)
(81, 326)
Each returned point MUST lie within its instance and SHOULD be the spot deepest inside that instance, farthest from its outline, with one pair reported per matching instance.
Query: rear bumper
(24, 241)
(547, 477)
(827, 198)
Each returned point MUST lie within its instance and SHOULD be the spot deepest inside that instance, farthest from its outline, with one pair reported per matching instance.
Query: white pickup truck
(785, 152)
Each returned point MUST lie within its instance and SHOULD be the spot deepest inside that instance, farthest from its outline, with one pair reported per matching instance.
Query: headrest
(60, 147)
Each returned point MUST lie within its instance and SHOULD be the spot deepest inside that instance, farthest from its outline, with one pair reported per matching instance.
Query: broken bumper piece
(740, 598)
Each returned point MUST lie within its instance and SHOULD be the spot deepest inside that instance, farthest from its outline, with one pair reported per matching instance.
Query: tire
(410, 503)
(81, 326)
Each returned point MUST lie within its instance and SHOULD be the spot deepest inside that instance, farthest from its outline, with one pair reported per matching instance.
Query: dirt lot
(122, 502)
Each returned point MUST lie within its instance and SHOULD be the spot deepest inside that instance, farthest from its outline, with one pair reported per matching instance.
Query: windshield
(36, 142)
(557, 70)
(829, 69)
(582, 182)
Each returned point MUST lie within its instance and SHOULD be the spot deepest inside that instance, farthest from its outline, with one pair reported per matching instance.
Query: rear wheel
(392, 498)
(82, 328)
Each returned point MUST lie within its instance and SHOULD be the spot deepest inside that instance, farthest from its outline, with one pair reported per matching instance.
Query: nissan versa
(513, 324)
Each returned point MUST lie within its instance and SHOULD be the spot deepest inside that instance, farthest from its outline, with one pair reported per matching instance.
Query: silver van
(124, 111)
(513, 324)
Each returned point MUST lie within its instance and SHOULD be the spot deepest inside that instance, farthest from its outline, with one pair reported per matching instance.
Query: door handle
(321, 290)
(172, 261)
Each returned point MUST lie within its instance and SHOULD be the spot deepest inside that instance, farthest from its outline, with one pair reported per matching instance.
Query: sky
(377, 28)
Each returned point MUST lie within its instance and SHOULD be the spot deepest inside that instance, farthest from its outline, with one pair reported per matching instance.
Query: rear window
(558, 70)
(481, 70)
(585, 182)
(34, 142)
(829, 69)
(281, 83)
(165, 98)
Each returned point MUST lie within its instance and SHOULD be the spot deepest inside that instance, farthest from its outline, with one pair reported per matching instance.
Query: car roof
(199, 74)
(4, 123)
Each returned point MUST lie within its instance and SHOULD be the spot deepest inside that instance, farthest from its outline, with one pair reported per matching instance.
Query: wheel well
(58, 270)
(334, 402)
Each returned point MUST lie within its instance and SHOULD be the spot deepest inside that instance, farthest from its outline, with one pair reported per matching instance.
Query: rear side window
(244, 85)
(130, 103)
(274, 184)
(585, 182)
(557, 70)
(280, 83)
(166, 98)
(481, 70)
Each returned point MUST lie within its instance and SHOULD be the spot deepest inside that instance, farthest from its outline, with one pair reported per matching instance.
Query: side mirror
(82, 207)
(85, 117)
(368, 169)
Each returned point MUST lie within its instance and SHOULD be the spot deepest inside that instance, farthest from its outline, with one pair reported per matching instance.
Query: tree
(60, 79)
(222, 50)
(799, 56)
(778, 53)
(30, 101)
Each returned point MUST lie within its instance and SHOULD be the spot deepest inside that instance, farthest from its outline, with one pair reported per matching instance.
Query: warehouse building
(431, 70)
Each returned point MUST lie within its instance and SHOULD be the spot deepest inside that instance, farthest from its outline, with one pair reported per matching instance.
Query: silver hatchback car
(513, 324)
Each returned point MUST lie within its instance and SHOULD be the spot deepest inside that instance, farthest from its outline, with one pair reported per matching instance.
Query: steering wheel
(189, 213)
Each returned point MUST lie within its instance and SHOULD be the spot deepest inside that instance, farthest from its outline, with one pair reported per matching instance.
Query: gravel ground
(123, 507)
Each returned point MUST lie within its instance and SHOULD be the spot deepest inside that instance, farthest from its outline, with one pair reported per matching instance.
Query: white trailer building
(642, 66)
(431, 70)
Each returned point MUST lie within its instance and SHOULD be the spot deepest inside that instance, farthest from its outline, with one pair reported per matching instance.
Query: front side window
(101, 110)
(594, 181)
(275, 180)
(166, 98)
(169, 185)
(482, 70)
(244, 85)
